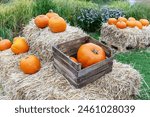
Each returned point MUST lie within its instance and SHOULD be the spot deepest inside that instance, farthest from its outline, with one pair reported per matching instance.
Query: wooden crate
(73, 71)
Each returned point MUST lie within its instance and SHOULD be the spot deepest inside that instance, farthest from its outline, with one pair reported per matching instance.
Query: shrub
(89, 20)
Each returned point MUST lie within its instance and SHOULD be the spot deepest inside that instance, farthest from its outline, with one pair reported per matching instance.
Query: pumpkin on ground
(74, 59)
(144, 22)
(41, 21)
(89, 54)
(112, 21)
(30, 64)
(57, 24)
(51, 14)
(121, 24)
(19, 45)
(5, 44)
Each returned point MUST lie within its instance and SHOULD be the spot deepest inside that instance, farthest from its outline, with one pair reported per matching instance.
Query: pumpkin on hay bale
(122, 83)
(125, 38)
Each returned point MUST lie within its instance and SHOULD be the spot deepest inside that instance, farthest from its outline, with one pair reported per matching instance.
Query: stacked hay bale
(125, 38)
(122, 83)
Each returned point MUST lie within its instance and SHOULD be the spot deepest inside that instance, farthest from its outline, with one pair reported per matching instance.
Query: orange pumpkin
(131, 19)
(131, 24)
(51, 14)
(57, 24)
(89, 54)
(5, 44)
(19, 45)
(112, 21)
(139, 24)
(74, 59)
(41, 21)
(30, 64)
(122, 19)
(121, 25)
(144, 22)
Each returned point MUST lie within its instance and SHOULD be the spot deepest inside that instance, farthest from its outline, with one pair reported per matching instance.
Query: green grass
(140, 60)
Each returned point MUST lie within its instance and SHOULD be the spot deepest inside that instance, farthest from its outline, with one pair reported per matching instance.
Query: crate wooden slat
(73, 71)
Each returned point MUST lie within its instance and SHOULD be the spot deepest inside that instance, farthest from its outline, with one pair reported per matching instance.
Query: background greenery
(87, 14)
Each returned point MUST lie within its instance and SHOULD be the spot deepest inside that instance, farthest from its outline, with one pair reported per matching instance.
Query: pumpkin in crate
(41, 21)
(5, 44)
(89, 54)
(51, 14)
(57, 24)
(30, 64)
(19, 45)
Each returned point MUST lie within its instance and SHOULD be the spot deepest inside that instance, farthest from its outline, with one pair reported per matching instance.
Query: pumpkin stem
(51, 11)
(95, 51)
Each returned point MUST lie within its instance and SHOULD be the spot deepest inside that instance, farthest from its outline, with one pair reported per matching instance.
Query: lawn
(17, 13)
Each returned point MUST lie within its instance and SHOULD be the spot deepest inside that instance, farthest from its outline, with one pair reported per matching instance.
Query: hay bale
(125, 38)
(41, 40)
(122, 83)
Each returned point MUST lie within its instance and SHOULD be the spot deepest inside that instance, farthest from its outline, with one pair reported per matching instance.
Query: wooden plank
(93, 67)
(77, 66)
(65, 64)
(94, 72)
(93, 78)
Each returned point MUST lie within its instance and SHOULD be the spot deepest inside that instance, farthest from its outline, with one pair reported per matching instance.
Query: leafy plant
(107, 13)
(89, 19)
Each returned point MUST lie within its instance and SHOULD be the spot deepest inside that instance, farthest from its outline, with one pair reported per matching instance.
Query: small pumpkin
(131, 19)
(57, 24)
(51, 14)
(19, 45)
(74, 59)
(41, 21)
(89, 54)
(122, 19)
(121, 24)
(5, 44)
(139, 24)
(144, 22)
(30, 64)
(112, 21)
(131, 23)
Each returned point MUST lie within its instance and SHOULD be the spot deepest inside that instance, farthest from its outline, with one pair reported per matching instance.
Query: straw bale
(122, 83)
(41, 40)
(125, 38)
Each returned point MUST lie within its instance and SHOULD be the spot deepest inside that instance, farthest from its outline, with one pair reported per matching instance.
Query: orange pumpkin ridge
(139, 24)
(121, 25)
(19, 45)
(41, 21)
(131, 24)
(57, 24)
(74, 59)
(51, 14)
(122, 19)
(112, 21)
(30, 64)
(5, 44)
(89, 54)
(144, 22)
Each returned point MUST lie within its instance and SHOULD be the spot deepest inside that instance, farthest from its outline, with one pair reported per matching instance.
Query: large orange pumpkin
(144, 22)
(5, 44)
(19, 45)
(30, 64)
(51, 14)
(57, 24)
(89, 54)
(41, 21)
